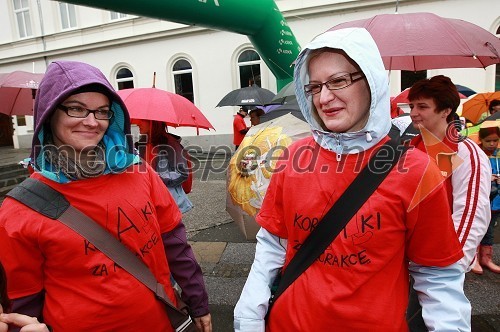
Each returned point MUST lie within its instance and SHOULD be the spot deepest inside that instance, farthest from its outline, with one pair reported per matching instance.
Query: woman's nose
(325, 95)
(90, 120)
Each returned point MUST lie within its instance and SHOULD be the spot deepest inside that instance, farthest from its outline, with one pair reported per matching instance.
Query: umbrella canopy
(248, 96)
(465, 90)
(160, 105)
(473, 108)
(402, 98)
(17, 92)
(473, 132)
(285, 94)
(291, 106)
(252, 165)
(420, 41)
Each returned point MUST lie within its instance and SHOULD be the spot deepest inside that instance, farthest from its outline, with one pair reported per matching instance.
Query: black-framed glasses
(82, 112)
(336, 83)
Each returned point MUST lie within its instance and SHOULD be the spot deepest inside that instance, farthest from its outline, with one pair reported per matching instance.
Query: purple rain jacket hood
(60, 81)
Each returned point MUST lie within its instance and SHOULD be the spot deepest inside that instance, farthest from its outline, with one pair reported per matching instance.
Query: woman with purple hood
(57, 275)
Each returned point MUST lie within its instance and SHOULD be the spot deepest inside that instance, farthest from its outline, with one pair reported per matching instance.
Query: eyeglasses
(82, 112)
(335, 83)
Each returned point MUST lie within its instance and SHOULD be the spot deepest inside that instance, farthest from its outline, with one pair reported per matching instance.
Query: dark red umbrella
(421, 41)
(160, 105)
(17, 92)
(402, 98)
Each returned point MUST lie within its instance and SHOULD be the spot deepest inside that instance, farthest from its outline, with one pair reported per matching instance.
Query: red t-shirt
(360, 283)
(85, 290)
(238, 124)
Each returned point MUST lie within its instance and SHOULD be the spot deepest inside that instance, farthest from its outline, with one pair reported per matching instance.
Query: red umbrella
(161, 105)
(17, 92)
(420, 41)
(402, 98)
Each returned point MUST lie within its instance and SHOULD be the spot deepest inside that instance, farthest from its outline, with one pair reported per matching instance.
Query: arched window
(183, 79)
(249, 68)
(125, 79)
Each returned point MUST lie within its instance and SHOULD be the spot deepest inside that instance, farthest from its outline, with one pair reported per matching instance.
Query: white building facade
(197, 62)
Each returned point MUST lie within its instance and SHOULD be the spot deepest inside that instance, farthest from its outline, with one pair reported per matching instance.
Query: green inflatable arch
(260, 20)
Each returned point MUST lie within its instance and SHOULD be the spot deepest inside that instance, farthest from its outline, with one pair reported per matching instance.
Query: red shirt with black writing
(85, 290)
(360, 282)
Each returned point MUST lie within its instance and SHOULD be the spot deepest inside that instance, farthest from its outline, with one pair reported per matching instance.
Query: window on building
(21, 120)
(22, 13)
(125, 79)
(249, 63)
(183, 79)
(68, 15)
(410, 77)
(117, 16)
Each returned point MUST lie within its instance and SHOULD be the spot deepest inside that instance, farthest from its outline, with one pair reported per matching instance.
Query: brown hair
(441, 89)
(493, 103)
(485, 132)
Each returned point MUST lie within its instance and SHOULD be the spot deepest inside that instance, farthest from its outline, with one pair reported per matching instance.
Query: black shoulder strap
(341, 212)
(40, 197)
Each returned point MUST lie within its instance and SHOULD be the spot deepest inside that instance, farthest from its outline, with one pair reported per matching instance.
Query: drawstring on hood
(61, 80)
(358, 44)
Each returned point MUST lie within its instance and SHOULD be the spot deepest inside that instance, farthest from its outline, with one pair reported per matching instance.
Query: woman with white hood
(342, 90)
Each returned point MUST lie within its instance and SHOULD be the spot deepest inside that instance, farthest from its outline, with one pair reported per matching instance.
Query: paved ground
(226, 256)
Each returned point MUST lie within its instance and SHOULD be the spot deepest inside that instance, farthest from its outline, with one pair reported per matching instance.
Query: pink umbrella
(160, 105)
(420, 41)
(17, 92)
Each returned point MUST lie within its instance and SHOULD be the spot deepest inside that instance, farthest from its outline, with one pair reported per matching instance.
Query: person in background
(493, 107)
(489, 138)
(82, 147)
(239, 127)
(14, 319)
(165, 153)
(361, 282)
(255, 115)
(465, 169)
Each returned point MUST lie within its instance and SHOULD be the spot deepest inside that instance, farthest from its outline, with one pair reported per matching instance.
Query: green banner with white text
(260, 20)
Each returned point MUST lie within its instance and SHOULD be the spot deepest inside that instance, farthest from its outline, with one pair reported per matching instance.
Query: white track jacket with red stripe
(471, 183)
(470, 192)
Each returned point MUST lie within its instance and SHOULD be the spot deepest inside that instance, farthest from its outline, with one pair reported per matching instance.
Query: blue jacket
(494, 160)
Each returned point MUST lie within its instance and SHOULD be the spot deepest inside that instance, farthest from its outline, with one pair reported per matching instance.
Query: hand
(203, 323)
(27, 323)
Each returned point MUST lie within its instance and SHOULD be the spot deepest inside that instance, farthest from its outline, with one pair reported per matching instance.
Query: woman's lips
(332, 111)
